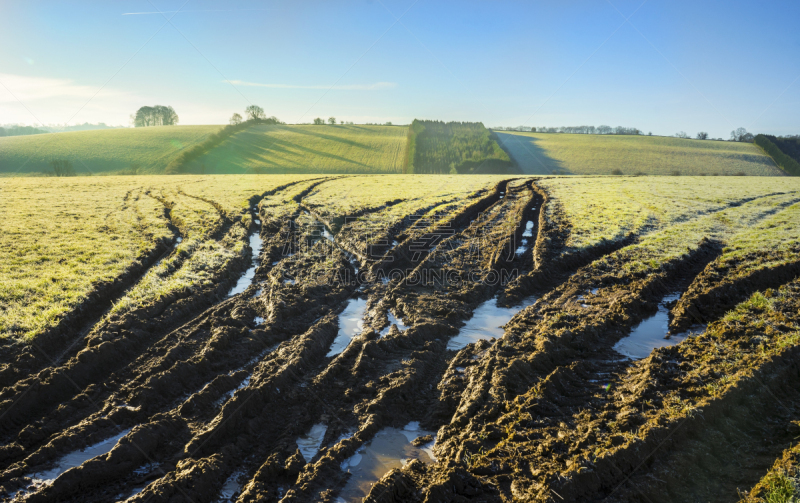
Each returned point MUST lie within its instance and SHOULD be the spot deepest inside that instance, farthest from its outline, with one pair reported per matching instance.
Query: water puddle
(391, 448)
(651, 333)
(393, 321)
(528, 230)
(178, 241)
(351, 324)
(76, 458)
(309, 443)
(486, 322)
(247, 277)
(522, 248)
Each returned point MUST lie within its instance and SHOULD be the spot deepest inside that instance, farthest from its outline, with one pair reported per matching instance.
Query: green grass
(100, 151)
(308, 149)
(580, 154)
(609, 208)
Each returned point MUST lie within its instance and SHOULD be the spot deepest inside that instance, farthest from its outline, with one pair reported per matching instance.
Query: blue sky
(672, 66)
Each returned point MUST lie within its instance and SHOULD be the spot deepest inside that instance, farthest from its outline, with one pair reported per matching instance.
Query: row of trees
(157, 115)
(452, 147)
(20, 131)
(254, 114)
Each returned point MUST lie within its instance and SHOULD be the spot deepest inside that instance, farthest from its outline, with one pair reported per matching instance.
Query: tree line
(452, 147)
(784, 151)
(739, 134)
(20, 131)
(157, 115)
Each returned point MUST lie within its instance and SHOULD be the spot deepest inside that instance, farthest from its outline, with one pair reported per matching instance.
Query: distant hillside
(585, 154)
(104, 151)
(307, 149)
(453, 147)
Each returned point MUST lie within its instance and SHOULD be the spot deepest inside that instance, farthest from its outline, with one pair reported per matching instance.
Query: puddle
(76, 458)
(391, 448)
(528, 230)
(258, 222)
(393, 321)
(486, 322)
(394, 243)
(231, 487)
(258, 320)
(650, 334)
(351, 324)
(247, 277)
(310, 442)
(522, 248)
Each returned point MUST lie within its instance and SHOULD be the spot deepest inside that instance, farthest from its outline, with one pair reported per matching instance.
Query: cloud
(23, 88)
(377, 86)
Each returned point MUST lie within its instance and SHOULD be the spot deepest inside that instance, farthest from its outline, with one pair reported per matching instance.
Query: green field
(583, 154)
(100, 151)
(308, 149)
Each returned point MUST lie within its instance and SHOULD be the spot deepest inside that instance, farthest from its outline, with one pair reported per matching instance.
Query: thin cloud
(377, 86)
(182, 11)
(27, 89)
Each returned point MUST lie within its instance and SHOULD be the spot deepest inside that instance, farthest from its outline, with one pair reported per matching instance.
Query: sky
(663, 66)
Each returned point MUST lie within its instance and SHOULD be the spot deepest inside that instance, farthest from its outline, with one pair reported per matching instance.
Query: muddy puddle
(231, 488)
(255, 244)
(528, 230)
(523, 247)
(651, 333)
(393, 321)
(310, 443)
(351, 324)
(390, 448)
(72, 460)
(486, 322)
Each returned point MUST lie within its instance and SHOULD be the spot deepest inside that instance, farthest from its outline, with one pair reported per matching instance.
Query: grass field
(454, 148)
(99, 151)
(579, 154)
(308, 149)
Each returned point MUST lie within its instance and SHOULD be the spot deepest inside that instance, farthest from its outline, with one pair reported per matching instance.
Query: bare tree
(739, 134)
(254, 112)
(235, 119)
(157, 115)
(332, 121)
(62, 167)
(702, 135)
(681, 134)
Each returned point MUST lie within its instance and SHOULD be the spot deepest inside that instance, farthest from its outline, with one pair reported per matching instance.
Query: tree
(62, 167)
(319, 121)
(702, 135)
(332, 121)
(254, 112)
(681, 134)
(739, 134)
(235, 119)
(157, 115)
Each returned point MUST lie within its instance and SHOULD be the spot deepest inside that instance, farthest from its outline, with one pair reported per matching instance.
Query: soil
(217, 389)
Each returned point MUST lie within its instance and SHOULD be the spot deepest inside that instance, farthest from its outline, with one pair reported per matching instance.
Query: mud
(350, 387)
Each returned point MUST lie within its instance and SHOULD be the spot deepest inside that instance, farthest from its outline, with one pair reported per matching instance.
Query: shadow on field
(528, 156)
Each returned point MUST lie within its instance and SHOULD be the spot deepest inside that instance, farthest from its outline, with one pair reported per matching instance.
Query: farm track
(549, 412)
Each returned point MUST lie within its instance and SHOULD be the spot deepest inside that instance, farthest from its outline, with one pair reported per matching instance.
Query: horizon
(623, 63)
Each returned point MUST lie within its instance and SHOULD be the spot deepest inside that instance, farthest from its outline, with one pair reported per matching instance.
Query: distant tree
(616, 172)
(332, 121)
(741, 134)
(604, 129)
(533, 130)
(702, 135)
(650, 133)
(341, 122)
(254, 112)
(388, 123)
(2, 131)
(681, 134)
(62, 167)
(319, 121)
(157, 115)
(235, 119)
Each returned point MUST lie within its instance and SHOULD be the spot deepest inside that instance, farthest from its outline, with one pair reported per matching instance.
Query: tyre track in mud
(60, 341)
(31, 437)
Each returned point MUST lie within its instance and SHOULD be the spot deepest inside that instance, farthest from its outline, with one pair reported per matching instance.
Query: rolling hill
(100, 151)
(583, 154)
(307, 149)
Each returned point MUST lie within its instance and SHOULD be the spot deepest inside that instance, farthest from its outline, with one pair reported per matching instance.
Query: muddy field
(330, 363)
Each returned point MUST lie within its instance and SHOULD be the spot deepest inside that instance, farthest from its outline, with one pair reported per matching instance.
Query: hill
(100, 151)
(583, 154)
(307, 149)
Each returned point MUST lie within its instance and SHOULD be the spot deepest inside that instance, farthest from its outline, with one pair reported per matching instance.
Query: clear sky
(673, 66)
